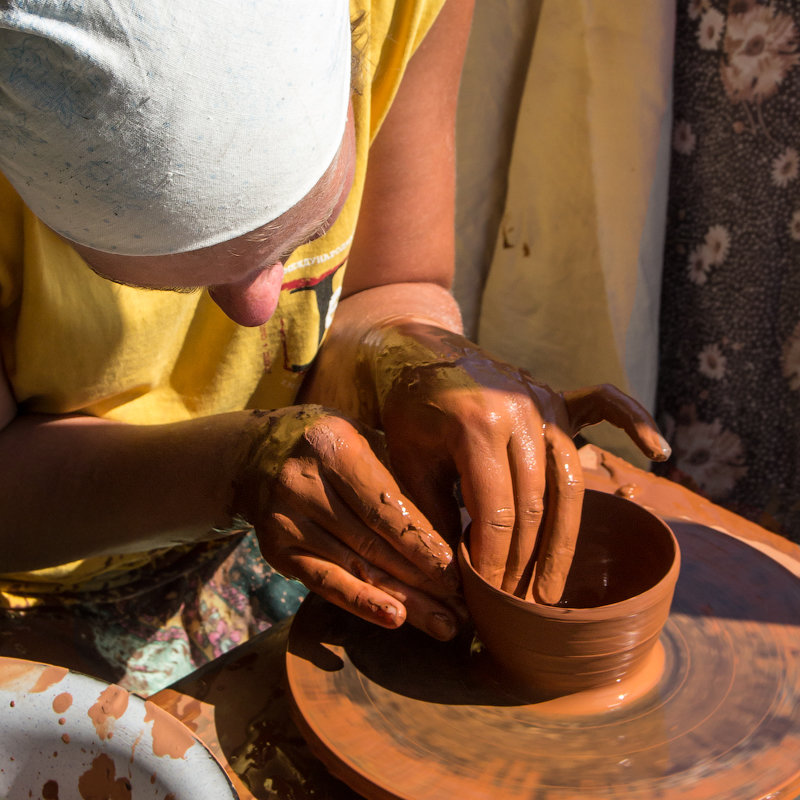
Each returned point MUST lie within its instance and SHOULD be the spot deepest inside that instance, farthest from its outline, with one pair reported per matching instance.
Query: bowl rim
(630, 605)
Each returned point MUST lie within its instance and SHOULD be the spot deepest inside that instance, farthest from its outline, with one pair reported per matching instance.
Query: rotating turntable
(399, 716)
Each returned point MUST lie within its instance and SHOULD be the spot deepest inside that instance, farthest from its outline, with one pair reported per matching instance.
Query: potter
(606, 624)
(231, 353)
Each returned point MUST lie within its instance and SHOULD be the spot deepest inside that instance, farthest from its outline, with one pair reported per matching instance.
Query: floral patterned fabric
(161, 625)
(729, 373)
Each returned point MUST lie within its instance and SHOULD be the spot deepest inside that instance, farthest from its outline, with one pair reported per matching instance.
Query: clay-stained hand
(327, 512)
(450, 410)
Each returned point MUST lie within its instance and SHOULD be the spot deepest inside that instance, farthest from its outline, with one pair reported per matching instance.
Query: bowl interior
(622, 551)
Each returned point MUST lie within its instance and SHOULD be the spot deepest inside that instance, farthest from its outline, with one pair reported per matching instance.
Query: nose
(252, 300)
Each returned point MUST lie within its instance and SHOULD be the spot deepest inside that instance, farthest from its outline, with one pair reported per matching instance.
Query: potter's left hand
(450, 410)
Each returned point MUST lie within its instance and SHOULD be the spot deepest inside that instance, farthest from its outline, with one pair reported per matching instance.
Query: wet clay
(100, 781)
(428, 380)
(343, 461)
(169, 739)
(722, 721)
(615, 602)
(598, 700)
(609, 473)
(409, 525)
(62, 702)
(50, 791)
(28, 676)
(110, 706)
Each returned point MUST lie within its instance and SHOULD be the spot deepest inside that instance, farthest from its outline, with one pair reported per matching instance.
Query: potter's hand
(450, 410)
(328, 513)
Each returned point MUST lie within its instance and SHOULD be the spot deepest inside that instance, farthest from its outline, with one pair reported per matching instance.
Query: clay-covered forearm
(324, 507)
(78, 486)
(344, 374)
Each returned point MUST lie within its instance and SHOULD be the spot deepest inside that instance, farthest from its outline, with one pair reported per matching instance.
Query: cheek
(348, 168)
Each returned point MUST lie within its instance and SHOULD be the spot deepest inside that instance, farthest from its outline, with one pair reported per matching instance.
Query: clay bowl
(616, 600)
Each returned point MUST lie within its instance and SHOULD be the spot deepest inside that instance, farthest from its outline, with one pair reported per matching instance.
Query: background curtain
(575, 97)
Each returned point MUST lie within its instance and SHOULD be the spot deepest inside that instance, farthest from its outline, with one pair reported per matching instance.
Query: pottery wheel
(397, 715)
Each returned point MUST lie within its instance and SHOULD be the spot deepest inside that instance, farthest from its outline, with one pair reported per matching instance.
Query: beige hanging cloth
(573, 289)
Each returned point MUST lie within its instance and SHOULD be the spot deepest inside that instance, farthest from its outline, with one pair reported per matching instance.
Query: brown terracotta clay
(399, 716)
(615, 602)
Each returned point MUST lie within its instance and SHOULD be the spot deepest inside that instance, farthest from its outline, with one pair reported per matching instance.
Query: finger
(488, 491)
(527, 457)
(594, 404)
(344, 578)
(369, 489)
(377, 443)
(441, 618)
(565, 501)
(432, 489)
(310, 498)
(338, 586)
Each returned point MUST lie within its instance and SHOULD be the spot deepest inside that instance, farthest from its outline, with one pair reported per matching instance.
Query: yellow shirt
(73, 342)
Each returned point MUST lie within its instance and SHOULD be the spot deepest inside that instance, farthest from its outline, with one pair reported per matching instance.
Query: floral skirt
(729, 372)
(159, 626)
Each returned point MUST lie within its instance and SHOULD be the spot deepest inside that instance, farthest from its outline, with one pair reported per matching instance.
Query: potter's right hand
(327, 512)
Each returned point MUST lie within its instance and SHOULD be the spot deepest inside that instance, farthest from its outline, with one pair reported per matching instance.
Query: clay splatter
(110, 706)
(28, 676)
(49, 676)
(62, 702)
(50, 791)
(135, 745)
(169, 739)
(99, 782)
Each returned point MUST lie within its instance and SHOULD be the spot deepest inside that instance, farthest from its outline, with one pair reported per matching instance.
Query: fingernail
(666, 450)
(441, 626)
(388, 614)
(547, 591)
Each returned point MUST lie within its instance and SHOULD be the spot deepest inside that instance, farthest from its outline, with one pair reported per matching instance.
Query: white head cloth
(147, 127)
